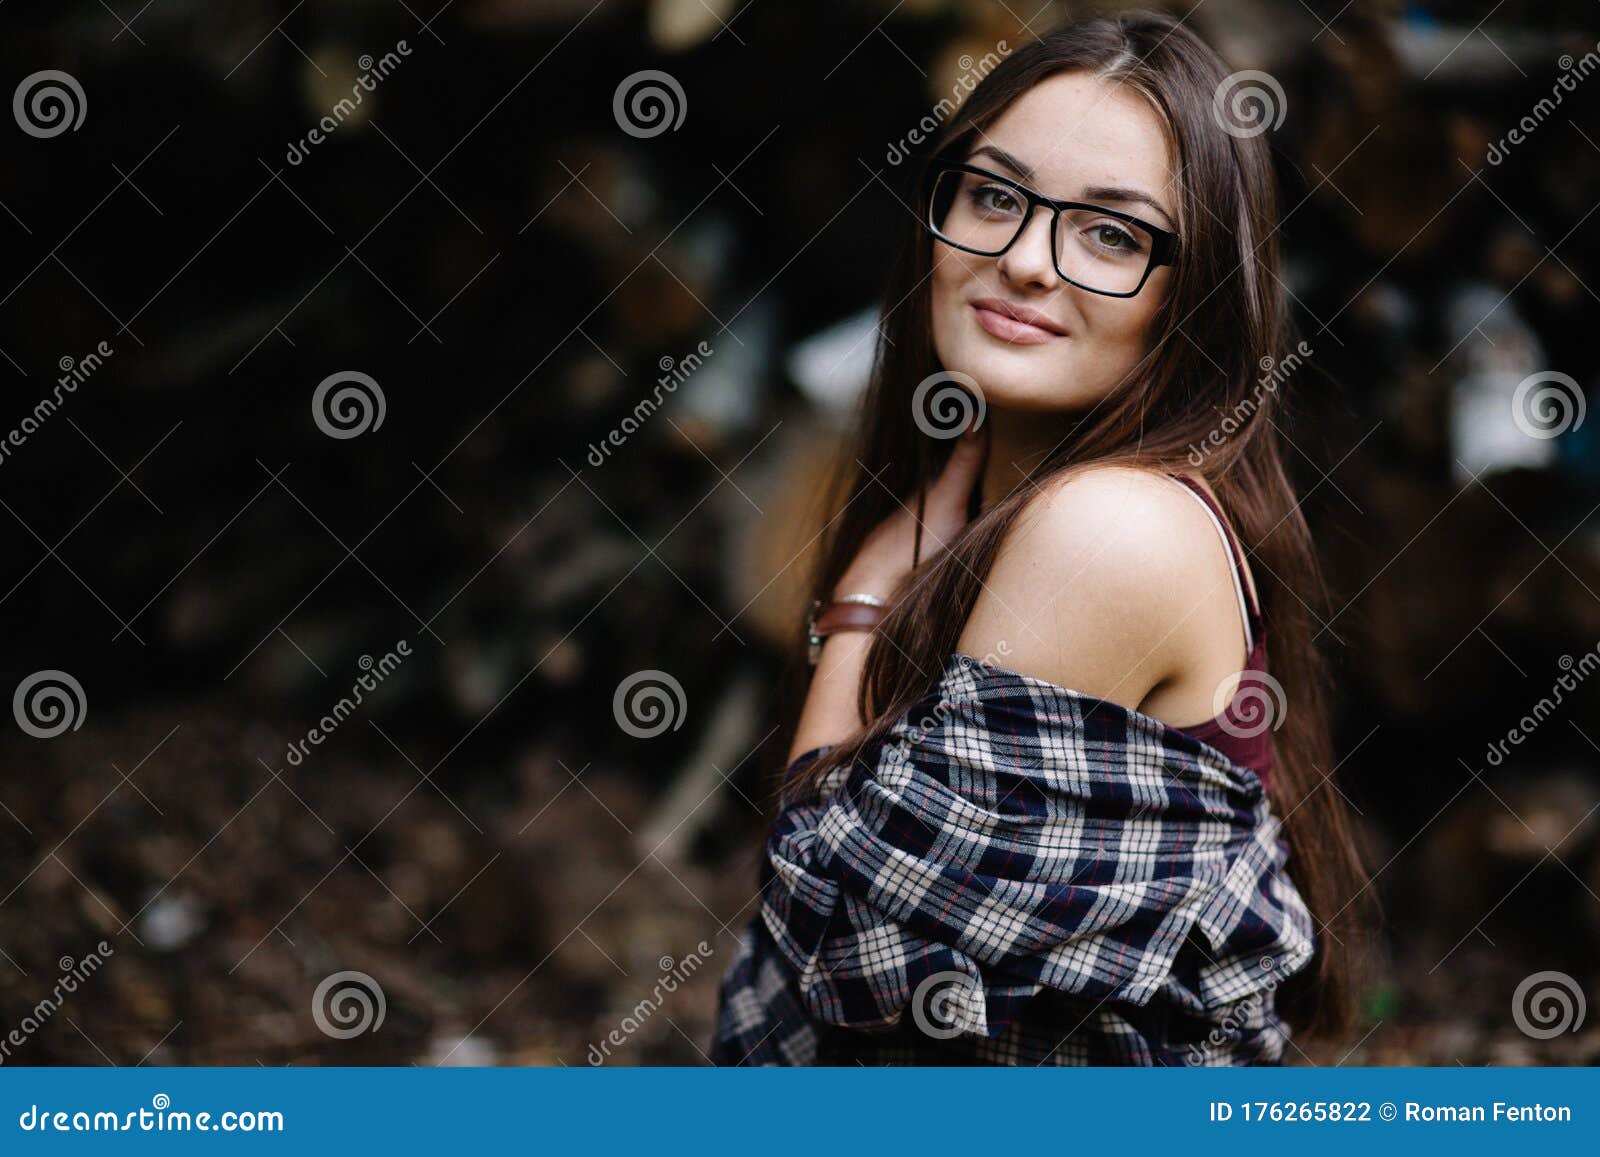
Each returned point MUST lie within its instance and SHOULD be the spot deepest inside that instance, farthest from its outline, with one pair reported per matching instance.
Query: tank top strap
(1248, 609)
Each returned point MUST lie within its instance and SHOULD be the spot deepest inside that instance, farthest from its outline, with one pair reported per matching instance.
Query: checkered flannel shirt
(1019, 874)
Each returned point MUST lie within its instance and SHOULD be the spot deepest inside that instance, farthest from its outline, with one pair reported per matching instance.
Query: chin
(1019, 379)
(1035, 397)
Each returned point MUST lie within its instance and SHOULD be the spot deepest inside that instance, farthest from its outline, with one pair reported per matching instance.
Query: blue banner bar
(824, 1111)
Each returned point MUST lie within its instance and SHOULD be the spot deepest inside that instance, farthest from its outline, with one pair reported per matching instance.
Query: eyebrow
(1097, 193)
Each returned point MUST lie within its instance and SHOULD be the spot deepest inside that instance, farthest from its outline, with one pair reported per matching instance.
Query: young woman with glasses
(1113, 838)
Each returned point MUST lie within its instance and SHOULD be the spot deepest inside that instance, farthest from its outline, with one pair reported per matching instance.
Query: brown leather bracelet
(853, 613)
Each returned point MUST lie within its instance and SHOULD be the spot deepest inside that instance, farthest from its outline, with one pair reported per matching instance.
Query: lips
(1016, 323)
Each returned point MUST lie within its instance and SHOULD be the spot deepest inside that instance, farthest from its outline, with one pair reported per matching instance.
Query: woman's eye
(1111, 237)
(995, 199)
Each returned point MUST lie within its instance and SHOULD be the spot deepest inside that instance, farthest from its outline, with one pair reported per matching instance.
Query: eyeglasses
(1102, 250)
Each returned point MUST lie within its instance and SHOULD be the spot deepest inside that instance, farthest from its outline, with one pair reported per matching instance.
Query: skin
(1075, 134)
(1113, 583)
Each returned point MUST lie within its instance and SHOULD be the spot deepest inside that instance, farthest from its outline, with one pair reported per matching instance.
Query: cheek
(1125, 324)
(947, 287)
(944, 283)
(1118, 327)
(950, 276)
(1117, 336)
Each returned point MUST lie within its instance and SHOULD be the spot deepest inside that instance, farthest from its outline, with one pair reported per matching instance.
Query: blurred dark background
(205, 570)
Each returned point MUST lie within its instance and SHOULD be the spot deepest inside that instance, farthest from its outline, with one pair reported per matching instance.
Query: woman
(1075, 855)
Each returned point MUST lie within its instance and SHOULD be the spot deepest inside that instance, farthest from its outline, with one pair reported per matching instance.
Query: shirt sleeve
(804, 758)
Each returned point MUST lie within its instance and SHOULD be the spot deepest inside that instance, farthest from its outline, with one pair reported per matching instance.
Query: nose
(1031, 259)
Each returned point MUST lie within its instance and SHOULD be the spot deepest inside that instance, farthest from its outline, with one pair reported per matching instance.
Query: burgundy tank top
(1242, 732)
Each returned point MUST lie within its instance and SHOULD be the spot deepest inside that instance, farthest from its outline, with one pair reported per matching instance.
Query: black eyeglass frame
(1164, 244)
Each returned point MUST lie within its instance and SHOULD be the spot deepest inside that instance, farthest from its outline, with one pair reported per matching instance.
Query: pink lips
(1015, 323)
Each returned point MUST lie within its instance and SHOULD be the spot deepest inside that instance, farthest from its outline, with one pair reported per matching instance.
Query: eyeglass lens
(1092, 248)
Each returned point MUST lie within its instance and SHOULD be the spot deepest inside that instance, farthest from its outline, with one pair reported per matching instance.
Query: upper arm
(1094, 587)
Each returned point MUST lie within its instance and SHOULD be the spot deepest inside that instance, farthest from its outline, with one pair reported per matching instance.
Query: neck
(1019, 442)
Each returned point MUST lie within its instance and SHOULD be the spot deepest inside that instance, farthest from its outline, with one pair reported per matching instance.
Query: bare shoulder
(1095, 586)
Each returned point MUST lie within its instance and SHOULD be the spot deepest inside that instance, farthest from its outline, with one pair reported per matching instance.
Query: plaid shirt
(1036, 877)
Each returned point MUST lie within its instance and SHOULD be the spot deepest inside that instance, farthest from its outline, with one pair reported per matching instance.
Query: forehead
(1075, 130)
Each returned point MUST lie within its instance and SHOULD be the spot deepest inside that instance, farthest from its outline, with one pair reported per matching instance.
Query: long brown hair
(1225, 316)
